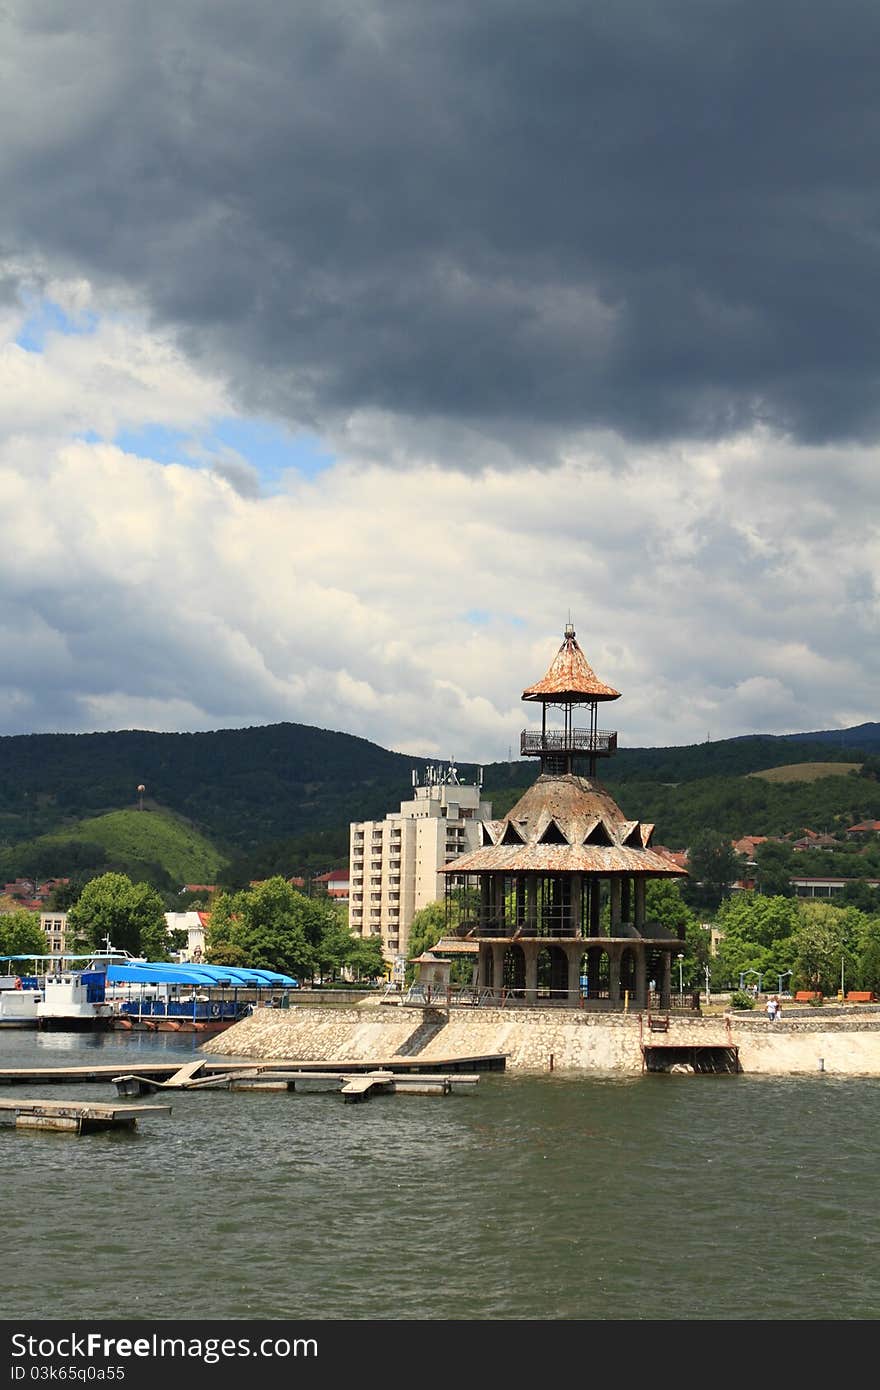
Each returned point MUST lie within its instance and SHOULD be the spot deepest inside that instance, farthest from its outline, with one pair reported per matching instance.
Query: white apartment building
(394, 863)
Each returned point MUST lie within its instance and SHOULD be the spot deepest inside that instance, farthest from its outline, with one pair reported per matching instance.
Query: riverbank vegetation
(777, 943)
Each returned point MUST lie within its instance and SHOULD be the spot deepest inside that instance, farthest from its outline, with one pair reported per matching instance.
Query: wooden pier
(164, 1071)
(352, 1086)
(76, 1118)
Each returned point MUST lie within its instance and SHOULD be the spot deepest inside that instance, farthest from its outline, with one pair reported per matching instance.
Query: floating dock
(164, 1071)
(352, 1086)
(76, 1118)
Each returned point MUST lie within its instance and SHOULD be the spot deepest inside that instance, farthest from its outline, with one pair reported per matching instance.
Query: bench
(859, 996)
(804, 996)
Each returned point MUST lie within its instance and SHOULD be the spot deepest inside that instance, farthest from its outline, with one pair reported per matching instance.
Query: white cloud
(726, 589)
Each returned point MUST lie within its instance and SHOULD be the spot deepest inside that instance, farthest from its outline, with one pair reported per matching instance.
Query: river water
(546, 1197)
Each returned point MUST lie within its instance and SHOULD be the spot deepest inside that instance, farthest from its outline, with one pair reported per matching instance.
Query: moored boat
(76, 1000)
(19, 997)
(157, 996)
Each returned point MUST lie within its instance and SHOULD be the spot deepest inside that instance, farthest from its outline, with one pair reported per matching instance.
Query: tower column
(485, 901)
(499, 902)
(641, 1000)
(573, 954)
(625, 898)
(615, 906)
(640, 890)
(666, 980)
(593, 957)
(577, 887)
(530, 951)
(532, 904)
(484, 967)
(497, 950)
(595, 905)
(614, 975)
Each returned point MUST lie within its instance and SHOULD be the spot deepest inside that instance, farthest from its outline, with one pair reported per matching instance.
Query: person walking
(771, 1009)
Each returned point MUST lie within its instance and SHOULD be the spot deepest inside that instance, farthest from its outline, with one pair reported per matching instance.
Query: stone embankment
(536, 1039)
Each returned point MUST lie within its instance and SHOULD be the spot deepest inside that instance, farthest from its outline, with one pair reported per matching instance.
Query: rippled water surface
(548, 1197)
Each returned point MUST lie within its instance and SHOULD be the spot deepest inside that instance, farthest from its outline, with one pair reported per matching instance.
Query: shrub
(741, 1000)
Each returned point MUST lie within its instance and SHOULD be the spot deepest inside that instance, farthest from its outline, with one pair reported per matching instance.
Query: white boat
(76, 999)
(19, 999)
(70, 996)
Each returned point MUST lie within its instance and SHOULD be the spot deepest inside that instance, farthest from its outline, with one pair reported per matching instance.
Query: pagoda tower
(554, 897)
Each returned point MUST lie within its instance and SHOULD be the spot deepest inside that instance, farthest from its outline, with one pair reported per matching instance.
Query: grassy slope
(805, 772)
(144, 837)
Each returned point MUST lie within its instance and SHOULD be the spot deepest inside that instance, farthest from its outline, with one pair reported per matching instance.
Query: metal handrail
(596, 741)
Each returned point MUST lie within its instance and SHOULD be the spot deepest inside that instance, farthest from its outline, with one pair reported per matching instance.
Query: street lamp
(786, 974)
(680, 985)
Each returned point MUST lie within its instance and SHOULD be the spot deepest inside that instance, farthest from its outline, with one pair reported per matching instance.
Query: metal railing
(599, 742)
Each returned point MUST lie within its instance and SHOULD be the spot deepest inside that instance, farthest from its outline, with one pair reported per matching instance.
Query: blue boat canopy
(203, 976)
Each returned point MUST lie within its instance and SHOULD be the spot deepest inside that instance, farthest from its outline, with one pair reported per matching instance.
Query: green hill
(152, 845)
(280, 798)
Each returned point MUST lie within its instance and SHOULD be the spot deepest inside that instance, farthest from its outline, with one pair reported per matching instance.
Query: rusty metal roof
(554, 859)
(598, 838)
(570, 676)
(455, 946)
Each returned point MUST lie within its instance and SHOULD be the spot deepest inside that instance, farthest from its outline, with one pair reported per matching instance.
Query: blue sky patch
(270, 449)
(47, 317)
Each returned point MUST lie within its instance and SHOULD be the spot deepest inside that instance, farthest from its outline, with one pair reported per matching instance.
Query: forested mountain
(280, 797)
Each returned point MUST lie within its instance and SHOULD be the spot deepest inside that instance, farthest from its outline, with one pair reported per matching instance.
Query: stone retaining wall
(536, 1039)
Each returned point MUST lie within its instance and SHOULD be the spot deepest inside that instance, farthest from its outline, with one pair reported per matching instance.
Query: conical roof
(570, 677)
(566, 824)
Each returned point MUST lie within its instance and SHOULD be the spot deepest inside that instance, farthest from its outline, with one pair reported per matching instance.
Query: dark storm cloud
(662, 219)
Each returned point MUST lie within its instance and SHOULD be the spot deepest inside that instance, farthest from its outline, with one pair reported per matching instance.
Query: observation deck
(595, 743)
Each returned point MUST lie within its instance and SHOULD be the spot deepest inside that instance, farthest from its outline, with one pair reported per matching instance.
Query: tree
(818, 957)
(129, 916)
(365, 957)
(426, 928)
(665, 904)
(274, 926)
(859, 893)
(21, 934)
(869, 966)
(335, 943)
(714, 865)
(774, 860)
(755, 918)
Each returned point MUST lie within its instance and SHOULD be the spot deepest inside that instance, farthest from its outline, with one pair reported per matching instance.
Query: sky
(348, 349)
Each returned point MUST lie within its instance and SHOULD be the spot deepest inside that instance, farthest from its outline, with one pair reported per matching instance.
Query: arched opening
(603, 975)
(552, 973)
(515, 971)
(654, 976)
(628, 972)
